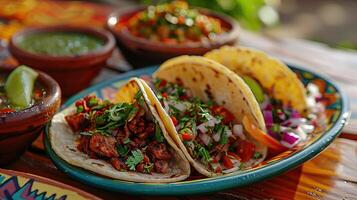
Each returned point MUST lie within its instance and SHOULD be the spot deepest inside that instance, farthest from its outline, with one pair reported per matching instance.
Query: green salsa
(60, 43)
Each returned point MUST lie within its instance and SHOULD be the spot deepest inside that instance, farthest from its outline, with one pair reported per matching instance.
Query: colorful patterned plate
(24, 186)
(336, 112)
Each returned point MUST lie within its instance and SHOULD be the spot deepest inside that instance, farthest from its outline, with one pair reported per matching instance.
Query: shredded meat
(159, 151)
(103, 146)
(118, 164)
(77, 122)
(161, 166)
(83, 144)
(121, 134)
(137, 125)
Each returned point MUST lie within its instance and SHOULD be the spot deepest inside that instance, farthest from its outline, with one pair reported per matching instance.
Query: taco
(202, 104)
(123, 140)
(291, 112)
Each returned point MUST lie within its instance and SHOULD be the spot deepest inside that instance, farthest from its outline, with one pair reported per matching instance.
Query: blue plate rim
(205, 185)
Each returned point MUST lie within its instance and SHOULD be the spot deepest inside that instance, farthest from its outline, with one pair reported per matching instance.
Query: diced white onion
(300, 132)
(213, 121)
(233, 169)
(216, 137)
(202, 127)
(229, 133)
(238, 131)
(307, 128)
(166, 107)
(206, 139)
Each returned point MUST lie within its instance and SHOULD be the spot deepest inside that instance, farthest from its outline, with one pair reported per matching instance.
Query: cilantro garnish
(257, 155)
(158, 134)
(133, 160)
(127, 141)
(80, 109)
(139, 98)
(114, 117)
(122, 150)
(148, 168)
(203, 153)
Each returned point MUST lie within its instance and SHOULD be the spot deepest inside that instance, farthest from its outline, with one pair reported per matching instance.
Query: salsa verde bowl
(152, 52)
(72, 71)
(20, 128)
(337, 111)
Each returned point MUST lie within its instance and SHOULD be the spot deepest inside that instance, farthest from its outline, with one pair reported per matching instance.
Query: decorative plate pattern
(336, 113)
(19, 185)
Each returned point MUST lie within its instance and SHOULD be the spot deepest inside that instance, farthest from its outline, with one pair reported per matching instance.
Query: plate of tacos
(196, 124)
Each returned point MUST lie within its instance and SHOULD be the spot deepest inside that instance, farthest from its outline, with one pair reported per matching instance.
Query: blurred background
(320, 35)
(332, 22)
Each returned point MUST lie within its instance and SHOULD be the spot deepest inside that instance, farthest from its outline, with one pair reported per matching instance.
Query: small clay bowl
(140, 52)
(19, 129)
(73, 73)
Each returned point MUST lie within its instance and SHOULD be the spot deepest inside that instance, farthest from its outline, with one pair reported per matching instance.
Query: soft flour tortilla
(199, 74)
(273, 75)
(63, 142)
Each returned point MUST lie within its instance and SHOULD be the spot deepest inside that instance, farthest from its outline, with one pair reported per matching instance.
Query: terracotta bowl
(19, 129)
(73, 73)
(140, 52)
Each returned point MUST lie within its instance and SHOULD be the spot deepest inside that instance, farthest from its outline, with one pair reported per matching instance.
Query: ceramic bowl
(19, 129)
(73, 73)
(140, 52)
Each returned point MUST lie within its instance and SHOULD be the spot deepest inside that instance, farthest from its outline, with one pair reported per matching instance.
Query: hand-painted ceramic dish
(336, 112)
(20, 185)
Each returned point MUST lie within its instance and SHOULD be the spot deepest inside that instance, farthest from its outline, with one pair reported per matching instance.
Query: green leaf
(158, 134)
(127, 141)
(203, 153)
(257, 155)
(148, 168)
(133, 160)
(122, 150)
(224, 138)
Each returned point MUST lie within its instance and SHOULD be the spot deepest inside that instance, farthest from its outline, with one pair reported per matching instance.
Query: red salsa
(174, 23)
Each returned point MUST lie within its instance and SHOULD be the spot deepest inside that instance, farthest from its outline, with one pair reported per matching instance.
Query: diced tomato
(222, 111)
(183, 97)
(186, 136)
(245, 150)
(218, 170)
(261, 136)
(79, 102)
(164, 94)
(169, 41)
(181, 20)
(174, 120)
(227, 162)
(234, 156)
(6, 111)
(162, 83)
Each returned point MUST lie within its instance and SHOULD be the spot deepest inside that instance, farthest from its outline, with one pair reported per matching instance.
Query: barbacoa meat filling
(121, 134)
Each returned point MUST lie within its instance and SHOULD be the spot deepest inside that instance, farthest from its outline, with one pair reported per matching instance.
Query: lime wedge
(255, 87)
(19, 86)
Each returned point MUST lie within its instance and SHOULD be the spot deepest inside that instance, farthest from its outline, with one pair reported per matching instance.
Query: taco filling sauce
(123, 134)
(207, 130)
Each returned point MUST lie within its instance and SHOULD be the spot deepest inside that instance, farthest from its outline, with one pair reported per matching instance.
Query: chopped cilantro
(80, 109)
(148, 168)
(92, 102)
(275, 128)
(203, 153)
(122, 150)
(133, 160)
(139, 98)
(158, 134)
(257, 155)
(127, 141)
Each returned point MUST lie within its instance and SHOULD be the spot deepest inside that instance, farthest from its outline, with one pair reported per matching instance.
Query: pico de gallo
(174, 23)
(209, 131)
(122, 134)
(20, 90)
(285, 124)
